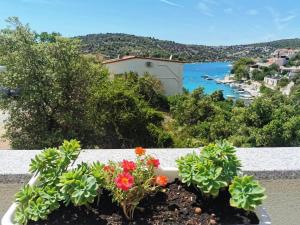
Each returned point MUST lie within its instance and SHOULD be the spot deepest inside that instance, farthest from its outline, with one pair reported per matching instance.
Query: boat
(230, 96)
(246, 96)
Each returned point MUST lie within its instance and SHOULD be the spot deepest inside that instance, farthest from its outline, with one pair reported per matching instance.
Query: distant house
(169, 72)
(293, 69)
(285, 53)
(271, 81)
(281, 56)
(281, 61)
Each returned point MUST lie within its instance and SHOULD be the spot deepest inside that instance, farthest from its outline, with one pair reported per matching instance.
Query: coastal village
(281, 79)
(170, 73)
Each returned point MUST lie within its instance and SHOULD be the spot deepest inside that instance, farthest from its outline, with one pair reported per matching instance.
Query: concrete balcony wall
(264, 163)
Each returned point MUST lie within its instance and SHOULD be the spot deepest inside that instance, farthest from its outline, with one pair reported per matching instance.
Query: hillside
(113, 44)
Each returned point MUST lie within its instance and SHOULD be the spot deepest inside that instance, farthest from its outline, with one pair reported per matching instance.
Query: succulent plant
(223, 155)
(52, 162)
(38, 201)
(208, 178)
(186, 166)
(35, 203)
(78, 186)
(212, 169)
(246, 193)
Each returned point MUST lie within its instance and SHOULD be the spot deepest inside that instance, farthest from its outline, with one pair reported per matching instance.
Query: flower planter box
(171, 172)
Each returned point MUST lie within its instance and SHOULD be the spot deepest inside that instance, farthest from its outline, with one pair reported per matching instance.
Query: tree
(258, 75)
(123, 119)
(55, 81)
(65, 94)
(241, 68)
(283, 82)
(47, 37)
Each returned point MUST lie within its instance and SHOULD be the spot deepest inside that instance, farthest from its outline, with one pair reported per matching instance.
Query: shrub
(123, 119)
(283, 82)
(246, 193)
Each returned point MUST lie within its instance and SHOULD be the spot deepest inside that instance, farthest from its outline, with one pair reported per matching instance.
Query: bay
(194, 77)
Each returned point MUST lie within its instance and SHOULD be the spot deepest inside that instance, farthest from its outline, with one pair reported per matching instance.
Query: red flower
(128, 166)
(124, 181)
(161, 180)
(153, 162)
(109, 169)
(140, 151)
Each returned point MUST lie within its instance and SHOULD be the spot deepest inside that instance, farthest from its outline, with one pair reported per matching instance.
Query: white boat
(230, 96)
(246, 96)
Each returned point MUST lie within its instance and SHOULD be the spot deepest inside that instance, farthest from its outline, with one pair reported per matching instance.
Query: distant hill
(113, 44)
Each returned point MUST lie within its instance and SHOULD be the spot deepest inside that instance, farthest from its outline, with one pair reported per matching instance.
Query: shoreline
(246, 91)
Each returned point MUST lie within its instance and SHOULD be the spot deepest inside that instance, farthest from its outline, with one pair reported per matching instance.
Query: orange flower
(153, 162)
(109, 169)
(161, 180)
(140, 151)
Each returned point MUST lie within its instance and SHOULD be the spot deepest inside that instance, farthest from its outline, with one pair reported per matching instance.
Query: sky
(209, 22)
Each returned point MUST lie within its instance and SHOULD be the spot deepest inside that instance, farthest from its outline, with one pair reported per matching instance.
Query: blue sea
(192, 77)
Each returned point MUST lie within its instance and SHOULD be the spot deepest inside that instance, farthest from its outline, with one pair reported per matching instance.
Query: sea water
(194, 72)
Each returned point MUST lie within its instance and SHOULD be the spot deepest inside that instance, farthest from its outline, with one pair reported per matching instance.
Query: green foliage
(78, 186)
(186, 167)
(266, 90)
(208, 178)
(241, 68)
(64, 94)
(52, 162)
(47, 37)
(258, 75)
(246, 193)
(38, 201)
(223, 155)
(55, 82)
(294, 61)
(122, 118)
(198, 121)
(211, 170)
(283, 82)
(96, 169)
(35, 203)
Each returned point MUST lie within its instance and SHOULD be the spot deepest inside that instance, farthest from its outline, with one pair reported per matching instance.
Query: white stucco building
(169, 72)
(271, 82)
